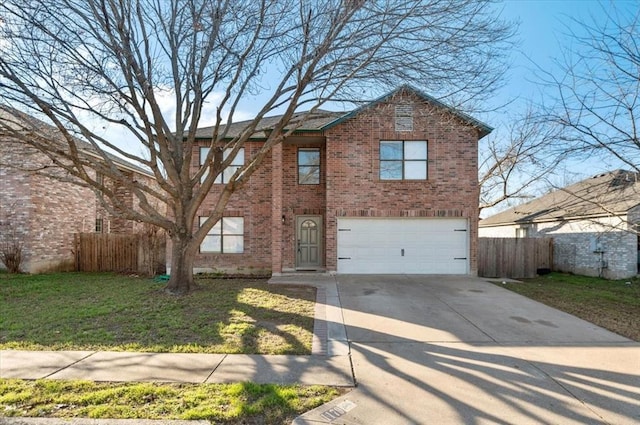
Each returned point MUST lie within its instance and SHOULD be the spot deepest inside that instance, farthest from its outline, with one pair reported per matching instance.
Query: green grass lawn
(89, 311)
(98, 311)
(242, 403)
(611, 304)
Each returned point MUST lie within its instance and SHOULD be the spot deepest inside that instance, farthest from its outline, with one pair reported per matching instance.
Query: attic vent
(404, 117)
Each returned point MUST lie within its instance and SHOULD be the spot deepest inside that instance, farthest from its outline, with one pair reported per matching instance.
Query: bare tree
(517, 162)
(597, 101)
(115, 61)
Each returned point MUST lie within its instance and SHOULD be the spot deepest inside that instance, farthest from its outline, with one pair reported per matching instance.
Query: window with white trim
(238, 162)
(403, 160)
(225, 237)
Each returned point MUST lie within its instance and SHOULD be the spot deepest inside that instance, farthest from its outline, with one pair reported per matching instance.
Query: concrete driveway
(459, 350)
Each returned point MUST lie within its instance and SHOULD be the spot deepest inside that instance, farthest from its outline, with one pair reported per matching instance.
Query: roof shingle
(15, 120)
(320, 120)
(316, 121)
(607, 194)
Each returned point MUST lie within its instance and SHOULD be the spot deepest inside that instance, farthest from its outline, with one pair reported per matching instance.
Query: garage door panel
(402, 245)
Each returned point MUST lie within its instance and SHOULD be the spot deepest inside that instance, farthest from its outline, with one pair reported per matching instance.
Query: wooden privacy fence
(111, 252)
(514, 257)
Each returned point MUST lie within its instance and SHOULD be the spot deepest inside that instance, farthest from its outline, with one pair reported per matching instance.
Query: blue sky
(544, 30)
(543, 25)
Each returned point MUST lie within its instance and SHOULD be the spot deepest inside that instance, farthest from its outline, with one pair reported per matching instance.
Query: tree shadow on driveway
(456, 383)
(448, 351)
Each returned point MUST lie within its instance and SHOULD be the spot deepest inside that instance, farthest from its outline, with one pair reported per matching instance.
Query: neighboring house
(594, 225)
(42, 214)
(391, 187)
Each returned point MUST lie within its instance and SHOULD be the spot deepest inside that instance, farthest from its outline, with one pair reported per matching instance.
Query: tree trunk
(182, 255)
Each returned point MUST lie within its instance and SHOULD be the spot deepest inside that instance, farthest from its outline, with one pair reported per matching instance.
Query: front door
(308, 242)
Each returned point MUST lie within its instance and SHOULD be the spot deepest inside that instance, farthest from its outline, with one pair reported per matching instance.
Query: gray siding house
(594, 225)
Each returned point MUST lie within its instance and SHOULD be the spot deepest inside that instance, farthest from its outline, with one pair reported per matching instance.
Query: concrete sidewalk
(329, 363)
(171, 367)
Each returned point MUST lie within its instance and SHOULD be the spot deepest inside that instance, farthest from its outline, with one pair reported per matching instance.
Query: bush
(11, 248)
(11, 255)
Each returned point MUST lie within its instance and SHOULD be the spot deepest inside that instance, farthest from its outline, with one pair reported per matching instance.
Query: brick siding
(350, 186)
(354, 187)
(299, 199)
(253, 203)
(116, 224)
(45, 212)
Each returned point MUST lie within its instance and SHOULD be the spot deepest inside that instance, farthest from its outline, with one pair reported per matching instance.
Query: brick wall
(299, 199)
(253, 202)
(354, 187)
(125, 198)
(633, 224)
(15, 197)
(45, 212)
(576, 243)
(116, 224)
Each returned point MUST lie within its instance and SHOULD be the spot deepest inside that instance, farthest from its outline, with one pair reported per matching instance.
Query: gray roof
(607, 194)
(316, 121)
(18, 120)
(321, 120)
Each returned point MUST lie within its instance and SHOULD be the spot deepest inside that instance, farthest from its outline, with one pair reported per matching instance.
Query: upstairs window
(226, 236)
(309, 166)
(403, 160)
(226, 174)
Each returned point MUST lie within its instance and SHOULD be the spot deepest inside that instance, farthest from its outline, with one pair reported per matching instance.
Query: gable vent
(404, 117)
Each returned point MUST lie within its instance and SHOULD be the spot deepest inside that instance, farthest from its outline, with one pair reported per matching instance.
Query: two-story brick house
(42, 214)
(391, 187)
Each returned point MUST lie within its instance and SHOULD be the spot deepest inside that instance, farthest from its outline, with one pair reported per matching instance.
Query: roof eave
(554, 219)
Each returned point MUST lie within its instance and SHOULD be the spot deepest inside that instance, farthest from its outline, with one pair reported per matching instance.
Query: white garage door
(403, 246)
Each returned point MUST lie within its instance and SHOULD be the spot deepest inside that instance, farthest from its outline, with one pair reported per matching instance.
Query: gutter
(572, 218)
